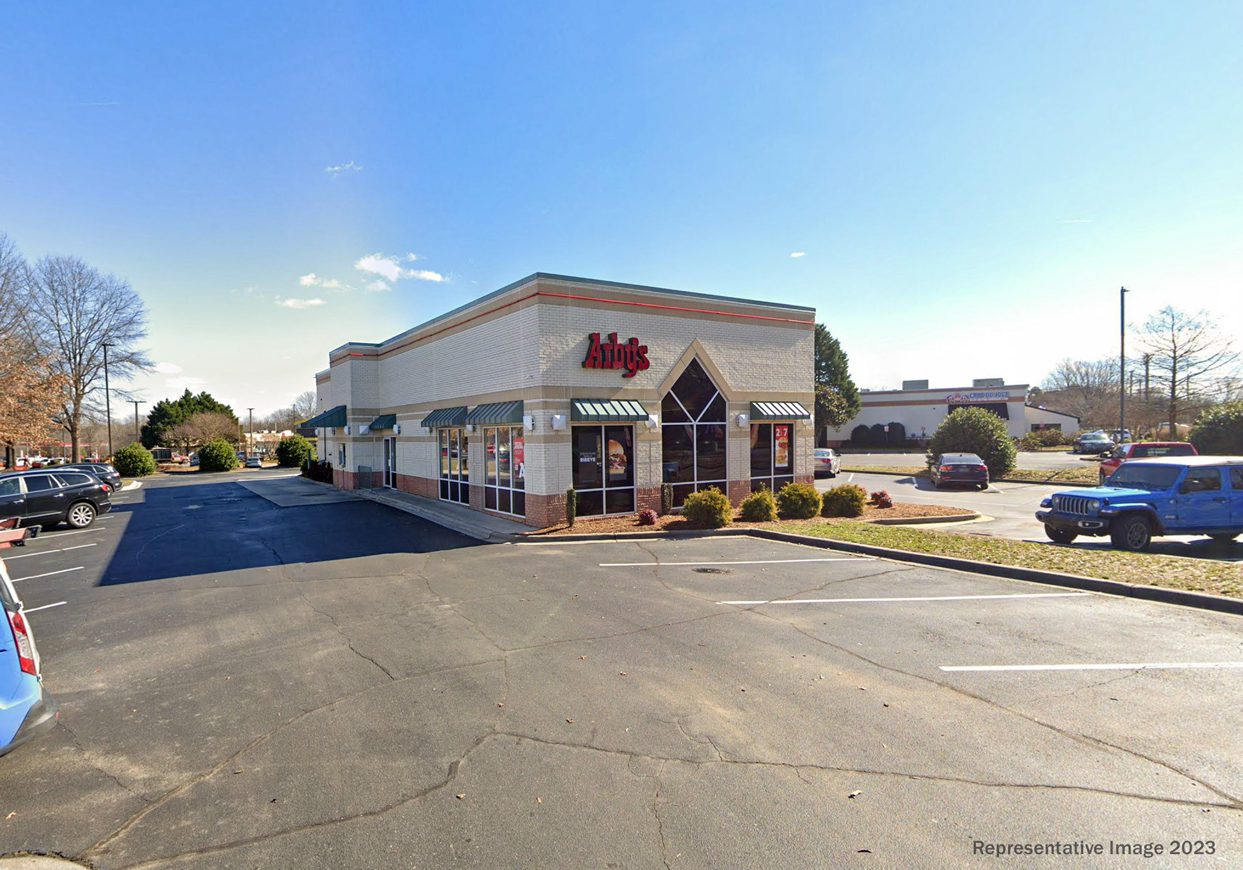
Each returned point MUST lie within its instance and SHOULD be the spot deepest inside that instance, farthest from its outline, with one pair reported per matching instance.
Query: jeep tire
(1060, 536)
(1130, 532)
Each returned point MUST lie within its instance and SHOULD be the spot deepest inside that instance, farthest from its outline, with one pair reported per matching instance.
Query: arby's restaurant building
(555, 382)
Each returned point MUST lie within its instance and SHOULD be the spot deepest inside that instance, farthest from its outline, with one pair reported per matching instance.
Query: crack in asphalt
(77, 742)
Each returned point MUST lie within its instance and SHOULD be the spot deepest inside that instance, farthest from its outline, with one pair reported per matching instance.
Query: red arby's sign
(613, 354)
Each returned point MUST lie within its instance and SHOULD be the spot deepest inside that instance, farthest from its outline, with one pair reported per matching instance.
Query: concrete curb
(920, 521)
(131, 486)
(462, 527)
(1180, 597)
(998, 480)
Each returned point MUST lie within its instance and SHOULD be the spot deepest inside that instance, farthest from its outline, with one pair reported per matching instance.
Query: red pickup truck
(1144, 450)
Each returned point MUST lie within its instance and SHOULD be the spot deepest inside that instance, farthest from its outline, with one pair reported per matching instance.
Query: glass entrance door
(390, 462)
(454, 466)
(603, 469)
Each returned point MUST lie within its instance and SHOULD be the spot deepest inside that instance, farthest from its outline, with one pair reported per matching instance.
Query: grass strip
(1171, 572)
(1086, 474)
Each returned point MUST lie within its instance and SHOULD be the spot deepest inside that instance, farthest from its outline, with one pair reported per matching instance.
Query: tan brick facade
(526, 343)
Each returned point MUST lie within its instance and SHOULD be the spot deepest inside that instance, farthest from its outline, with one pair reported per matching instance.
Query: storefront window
(693, 434)
(603, 469)
(505, 461)
(454, 467)
(772, 455)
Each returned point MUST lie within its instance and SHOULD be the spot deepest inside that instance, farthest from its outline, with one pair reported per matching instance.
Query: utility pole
(250, 447)
(1147, 363)
(107, 398)
(137, 434)
(1121, 361)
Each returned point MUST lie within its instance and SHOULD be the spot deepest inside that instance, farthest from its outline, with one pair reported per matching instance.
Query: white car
(827, 461)
(254, 462)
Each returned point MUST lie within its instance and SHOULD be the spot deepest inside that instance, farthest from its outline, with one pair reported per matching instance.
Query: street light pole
(1122, 362)
(107, 397)
(250, 447)
(137, 434)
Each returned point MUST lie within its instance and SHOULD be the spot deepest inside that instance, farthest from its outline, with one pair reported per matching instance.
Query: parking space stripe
(43, 607)
(740, 562)
(922, 598)
(47, 552)
(48, 574)
(1130, 666)
(47, 535)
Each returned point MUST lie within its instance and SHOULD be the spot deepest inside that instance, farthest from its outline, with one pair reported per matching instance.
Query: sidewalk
(459, 518)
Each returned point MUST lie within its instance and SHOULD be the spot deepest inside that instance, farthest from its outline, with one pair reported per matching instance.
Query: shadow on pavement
(209, 528)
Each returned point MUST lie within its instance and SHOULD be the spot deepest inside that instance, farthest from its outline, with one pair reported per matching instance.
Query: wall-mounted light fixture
(396, 428)
(743, 421)
(528, 422)
(558, 421)
(652, 421)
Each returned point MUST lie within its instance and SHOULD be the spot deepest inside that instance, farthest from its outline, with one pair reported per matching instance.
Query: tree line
(1183, 365)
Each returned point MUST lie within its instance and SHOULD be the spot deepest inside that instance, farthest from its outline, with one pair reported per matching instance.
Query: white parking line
(46, 552)
(742, 562)
(1132, 666)
(925, 598)
(48, 574)
(47, 535)
(43, 607)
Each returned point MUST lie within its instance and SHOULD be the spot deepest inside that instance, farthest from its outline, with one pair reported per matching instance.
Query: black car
(106, 473)
(48, 498)
(966, 468)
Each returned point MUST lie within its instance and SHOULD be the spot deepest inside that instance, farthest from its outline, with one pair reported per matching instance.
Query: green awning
(384, 421)
(779, 411)
(607, 411)
(330, 419)
(495, 414)
(445, 417)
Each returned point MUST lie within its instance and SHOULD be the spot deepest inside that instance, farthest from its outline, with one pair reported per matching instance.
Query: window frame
(682, 488)
(605, 489)
(506, 496)
(769, 480)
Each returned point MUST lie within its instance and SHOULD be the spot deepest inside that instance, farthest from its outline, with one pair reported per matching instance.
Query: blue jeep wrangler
(1183, 495)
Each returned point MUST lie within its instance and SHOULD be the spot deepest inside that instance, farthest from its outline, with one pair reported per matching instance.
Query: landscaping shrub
(294, 452)
(881, 499)
(571, 506)
(321, 471)
(1043, 438)
(896, 436)
(975, 430)
(798, 501)
(877, 437)
(1219, 430)
(861, 436)
(759, 507)
(647, 517)
(134, 461)
(846, 500)
(217, 455)
(666, 499)
(708, 509)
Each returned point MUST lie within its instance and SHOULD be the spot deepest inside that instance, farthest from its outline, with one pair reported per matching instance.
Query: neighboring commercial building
(918, 410)
(556, 382)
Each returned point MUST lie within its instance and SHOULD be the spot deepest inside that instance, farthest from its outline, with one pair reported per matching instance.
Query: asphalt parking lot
(340, 684)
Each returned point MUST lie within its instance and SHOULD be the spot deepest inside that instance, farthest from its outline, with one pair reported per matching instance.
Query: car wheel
(80, 515)
(1060, 536)
(1130, 533)
(983, 486)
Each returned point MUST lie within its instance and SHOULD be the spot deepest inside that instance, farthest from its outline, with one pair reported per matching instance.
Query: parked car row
(26, 708)
(74, 495)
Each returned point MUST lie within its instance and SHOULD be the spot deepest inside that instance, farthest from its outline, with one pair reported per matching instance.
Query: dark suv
(106, 473)
(47, 498)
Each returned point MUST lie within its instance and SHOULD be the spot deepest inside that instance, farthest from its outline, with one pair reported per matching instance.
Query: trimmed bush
(798, 501)
(647, 517)
(708, 509)
(571, 507)
(294, 452)
(896, 436)
(134, 461)
(217, 455)
(759, 507)
(846, 500)
(975, 430)
(666, 499)
(881, 499)
(1043, 438)
(861, 436)
(1219, 430)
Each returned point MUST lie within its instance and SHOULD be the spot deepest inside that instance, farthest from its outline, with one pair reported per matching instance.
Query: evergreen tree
(837, 397)
(167, 413)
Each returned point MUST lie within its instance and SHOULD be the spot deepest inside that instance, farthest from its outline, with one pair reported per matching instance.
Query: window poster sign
(520, 458)
(617, 460)
(781, 445)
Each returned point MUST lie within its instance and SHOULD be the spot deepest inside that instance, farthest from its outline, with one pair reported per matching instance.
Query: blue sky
(968, 183)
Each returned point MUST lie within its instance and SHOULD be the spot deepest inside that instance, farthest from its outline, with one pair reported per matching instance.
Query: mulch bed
(675, 523)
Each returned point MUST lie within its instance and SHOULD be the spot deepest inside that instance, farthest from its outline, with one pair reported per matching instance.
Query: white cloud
(309, 280)
(167, 368)
(350, 166)
(378, 286)
(300, 304)
(794, 255)
(313, 280)
(390, 270)
(333, 284)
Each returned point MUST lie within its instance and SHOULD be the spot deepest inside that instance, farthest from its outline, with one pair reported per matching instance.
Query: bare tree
(1086, 388)
(1188, 357)
(304, 406)
(73, 309)
(30, 391)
